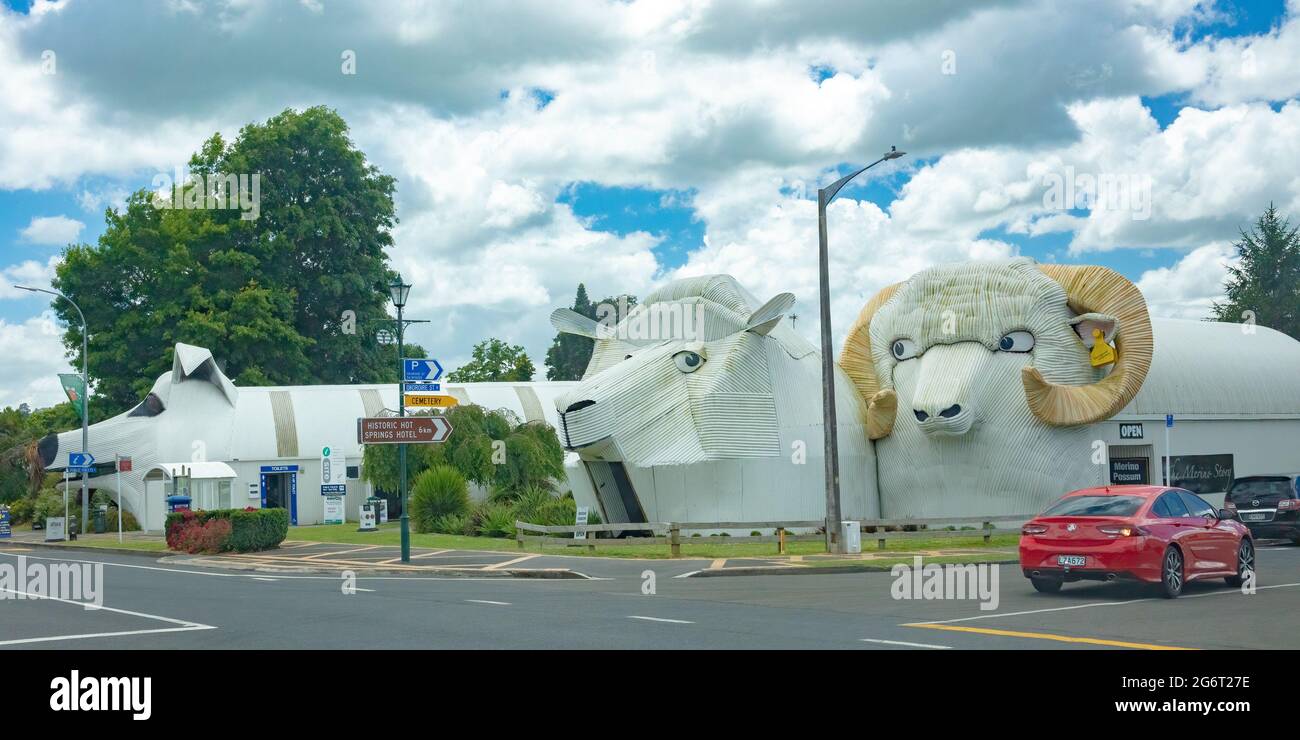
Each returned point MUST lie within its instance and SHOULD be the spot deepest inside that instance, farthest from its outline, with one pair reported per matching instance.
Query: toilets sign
(333, 472)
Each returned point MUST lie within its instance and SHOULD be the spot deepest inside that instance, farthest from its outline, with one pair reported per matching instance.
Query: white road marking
(908, 644)
(184, 571)
(185, 626)
(660, 619)
(519, 559)
(486, 601)
(263, 578)
(995, 615)
(687, 574)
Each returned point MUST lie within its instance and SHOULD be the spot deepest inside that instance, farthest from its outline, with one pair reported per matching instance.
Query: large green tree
(492, 360)
(569, 354)
(273, 297)
(1265, 284)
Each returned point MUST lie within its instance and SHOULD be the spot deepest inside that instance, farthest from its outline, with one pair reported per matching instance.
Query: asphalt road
(148, 604)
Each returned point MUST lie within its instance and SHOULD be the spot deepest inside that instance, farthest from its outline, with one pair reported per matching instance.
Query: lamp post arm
(834, 188)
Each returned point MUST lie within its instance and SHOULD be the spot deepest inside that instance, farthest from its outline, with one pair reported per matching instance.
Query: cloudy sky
(624, 143)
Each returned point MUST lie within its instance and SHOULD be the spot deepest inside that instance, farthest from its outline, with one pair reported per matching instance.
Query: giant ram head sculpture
(979, 383)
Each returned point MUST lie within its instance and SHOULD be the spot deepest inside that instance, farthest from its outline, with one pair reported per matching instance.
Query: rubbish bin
(178, 503)
(851, 537)
(101, 519)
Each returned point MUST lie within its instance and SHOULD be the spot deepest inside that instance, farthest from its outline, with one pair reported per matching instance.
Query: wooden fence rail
(670, 533)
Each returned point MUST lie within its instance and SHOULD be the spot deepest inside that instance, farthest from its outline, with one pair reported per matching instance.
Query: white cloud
(52, 230)
(28, 272)
(34, 356)
(711, 98)
(1189, 288)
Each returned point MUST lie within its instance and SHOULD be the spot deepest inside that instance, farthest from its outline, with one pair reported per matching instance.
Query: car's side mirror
(1227, 514)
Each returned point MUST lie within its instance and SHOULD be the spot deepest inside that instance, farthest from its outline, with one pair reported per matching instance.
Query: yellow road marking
(1046, 636)
(512, 562)
(340, 552)
(717, 564)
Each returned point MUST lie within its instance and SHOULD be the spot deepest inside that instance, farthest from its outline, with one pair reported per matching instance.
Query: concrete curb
(291, 569)
(794, 570)
(83, 548)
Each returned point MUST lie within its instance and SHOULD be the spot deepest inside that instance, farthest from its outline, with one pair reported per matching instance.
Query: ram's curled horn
(857, 362)
(1090, 288)
(568, 321)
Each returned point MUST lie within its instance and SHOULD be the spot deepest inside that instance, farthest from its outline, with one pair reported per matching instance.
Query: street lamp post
(85, 403)
(829, 435)
(398, 291)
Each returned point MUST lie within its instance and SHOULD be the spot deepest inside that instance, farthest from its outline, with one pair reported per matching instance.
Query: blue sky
(699, 163)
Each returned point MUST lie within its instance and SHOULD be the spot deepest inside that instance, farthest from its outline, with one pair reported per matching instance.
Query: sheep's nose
(579, 405)
(947, 413)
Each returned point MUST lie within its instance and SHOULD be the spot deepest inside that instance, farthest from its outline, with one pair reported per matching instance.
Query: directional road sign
(399, 429)
(431, 401)
(423, 387)
(80, 459)
(428, 369)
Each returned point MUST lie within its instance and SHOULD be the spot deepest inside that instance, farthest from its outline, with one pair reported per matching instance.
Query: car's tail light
(1122, 530)
(1033, 529)
(1287, 504)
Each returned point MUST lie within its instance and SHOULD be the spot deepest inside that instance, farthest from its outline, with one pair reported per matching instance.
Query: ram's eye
(627, 357)
(688, 362)
(1016, 341)
(903, 349)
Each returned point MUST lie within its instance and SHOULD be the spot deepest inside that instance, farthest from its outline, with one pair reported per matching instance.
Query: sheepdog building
(985, 388)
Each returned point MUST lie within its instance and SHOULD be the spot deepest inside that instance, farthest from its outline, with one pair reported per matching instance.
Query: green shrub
(451, 524)
(437, 492)
(496, 520)
(20, 511)
(250, 529)
(49, 503)
(129, 522)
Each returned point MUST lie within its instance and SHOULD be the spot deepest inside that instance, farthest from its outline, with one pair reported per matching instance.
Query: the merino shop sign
(1202, 473)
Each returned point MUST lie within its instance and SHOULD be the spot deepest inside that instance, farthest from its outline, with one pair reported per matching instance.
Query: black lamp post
(398, 291)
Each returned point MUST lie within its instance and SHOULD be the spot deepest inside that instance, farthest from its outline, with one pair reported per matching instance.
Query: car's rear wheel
(1046, 585)
(1245, 562)
(1171, 573)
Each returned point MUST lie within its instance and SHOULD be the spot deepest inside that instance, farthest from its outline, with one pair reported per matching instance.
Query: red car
(1152, 534)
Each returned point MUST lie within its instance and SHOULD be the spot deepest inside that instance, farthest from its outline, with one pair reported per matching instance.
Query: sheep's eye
(1016, 341)
(903, 349)
(688, 362)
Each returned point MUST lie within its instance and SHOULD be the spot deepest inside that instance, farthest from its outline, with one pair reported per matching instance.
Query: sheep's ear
(569, 321)
(769, 314)
(1084, 324)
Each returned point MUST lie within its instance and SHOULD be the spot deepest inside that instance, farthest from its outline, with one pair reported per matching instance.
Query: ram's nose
(953, 419)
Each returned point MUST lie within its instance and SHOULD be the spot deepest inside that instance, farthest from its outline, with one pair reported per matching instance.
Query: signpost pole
(117, 466)
(65, 504)
(401, 448)
(1169, 459)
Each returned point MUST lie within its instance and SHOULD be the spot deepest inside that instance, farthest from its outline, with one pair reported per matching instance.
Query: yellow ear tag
(1102, 353)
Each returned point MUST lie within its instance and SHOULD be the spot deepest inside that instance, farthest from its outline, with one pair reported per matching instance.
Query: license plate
(1254, 517)
(1071, 560)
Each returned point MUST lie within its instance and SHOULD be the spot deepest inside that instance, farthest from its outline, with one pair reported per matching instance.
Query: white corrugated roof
(1205, 368)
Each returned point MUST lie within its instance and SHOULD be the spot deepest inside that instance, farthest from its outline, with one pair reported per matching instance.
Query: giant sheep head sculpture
(1039, 318)
(685, 377)
(976, 364)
